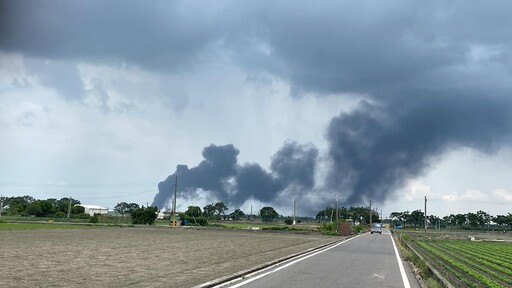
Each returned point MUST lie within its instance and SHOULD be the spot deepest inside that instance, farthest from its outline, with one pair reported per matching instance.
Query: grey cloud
(162, 35)
(61, 76)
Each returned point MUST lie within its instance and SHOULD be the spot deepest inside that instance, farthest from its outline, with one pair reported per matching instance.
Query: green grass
(37, 226)
(246, 225)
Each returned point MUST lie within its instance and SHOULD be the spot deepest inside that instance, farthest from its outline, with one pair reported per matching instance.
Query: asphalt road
(364, 261)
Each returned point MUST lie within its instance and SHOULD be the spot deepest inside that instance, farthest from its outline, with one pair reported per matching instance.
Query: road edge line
(299, 258)
(405, 280)
(245, 273)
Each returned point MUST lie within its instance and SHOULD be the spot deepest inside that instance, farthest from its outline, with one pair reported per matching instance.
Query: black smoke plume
(376, 148)
(292, 169)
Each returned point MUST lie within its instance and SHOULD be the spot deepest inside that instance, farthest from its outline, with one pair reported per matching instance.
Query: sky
(265, 102)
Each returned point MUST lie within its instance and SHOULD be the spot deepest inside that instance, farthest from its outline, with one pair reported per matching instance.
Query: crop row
(457, 265)
(475, 262)
(498, 250)
(482, 258)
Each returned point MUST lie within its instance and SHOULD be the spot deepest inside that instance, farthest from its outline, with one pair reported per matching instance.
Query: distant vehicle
(376, 228)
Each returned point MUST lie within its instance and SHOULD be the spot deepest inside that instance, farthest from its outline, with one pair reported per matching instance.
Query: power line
(117, 196)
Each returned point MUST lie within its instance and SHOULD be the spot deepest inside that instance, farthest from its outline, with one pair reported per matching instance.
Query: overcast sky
(368, 100)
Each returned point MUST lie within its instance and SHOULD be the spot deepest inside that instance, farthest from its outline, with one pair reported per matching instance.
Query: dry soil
(138, 257)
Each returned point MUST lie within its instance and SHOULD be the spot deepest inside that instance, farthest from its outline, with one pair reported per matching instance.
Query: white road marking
(289, 264)
(405, 280)
(379, 276)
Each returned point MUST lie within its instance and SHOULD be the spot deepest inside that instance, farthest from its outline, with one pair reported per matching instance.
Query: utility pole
(337, 218)
(294, 210)
(250, 217)
(1, 204)
(371, 213)
(425, 216)
(69, 209)
(174, 201)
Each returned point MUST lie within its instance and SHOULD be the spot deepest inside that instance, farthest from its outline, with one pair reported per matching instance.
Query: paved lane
(365, 261)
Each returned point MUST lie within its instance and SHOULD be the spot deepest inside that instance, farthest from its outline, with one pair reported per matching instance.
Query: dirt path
(120, 257)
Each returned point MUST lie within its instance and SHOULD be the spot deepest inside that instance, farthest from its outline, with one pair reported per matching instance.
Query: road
(363, 261)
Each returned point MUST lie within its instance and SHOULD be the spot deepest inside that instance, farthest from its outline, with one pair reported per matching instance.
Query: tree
(121, 208)
(237, 214)
(483, 218)
(209, 210)
(77, 209)
(62, 205)
(144, 215)
(268, 214)
(473, 219)
(193, 211)
(220, 208)
(501, 220)
(124, 208)
(417, 217)
(17, 205)
(48, 207)
(460, 219)
(33, 209)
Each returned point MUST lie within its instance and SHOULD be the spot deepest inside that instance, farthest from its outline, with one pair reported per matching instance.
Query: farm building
(91, 209)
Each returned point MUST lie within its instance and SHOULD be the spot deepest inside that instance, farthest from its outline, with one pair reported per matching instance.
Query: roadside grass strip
(38, 226)
(463, 268)
(474, 261)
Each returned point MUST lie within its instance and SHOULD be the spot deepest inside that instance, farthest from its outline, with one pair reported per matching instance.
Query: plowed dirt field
(138, 257)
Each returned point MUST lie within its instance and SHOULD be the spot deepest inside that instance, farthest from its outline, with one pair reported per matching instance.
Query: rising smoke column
(219, 174)
(380, 145)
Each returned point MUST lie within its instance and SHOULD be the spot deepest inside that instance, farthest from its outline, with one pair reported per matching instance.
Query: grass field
(138, 257)
(34, 226)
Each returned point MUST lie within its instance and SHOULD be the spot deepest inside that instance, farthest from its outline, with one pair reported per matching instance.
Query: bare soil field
(139, 257)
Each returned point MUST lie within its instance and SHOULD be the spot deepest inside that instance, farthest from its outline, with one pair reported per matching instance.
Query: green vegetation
(144, 215)
(195, 221)
(268, 214)
(475, 264)
(37, 226)
(356, 214)
(480, 220)
(29, 206)
(125, 208)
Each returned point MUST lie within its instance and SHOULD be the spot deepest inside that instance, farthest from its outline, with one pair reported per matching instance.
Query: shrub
(144, 215)
(81, 216)
(328, 229)
(358, 228)
(288, 221)
(94, 218)
(60, 214)
(197, 221)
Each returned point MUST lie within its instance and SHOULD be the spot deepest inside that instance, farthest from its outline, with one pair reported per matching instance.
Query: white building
(91, 209)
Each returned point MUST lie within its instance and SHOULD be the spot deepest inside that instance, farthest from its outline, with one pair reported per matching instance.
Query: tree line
(471, 220)
(29, 206)
(359, 215)
(218, 211)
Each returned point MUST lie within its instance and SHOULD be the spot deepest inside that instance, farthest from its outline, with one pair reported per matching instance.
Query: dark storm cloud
(293, 167)
(339, 46)
(157, 35)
